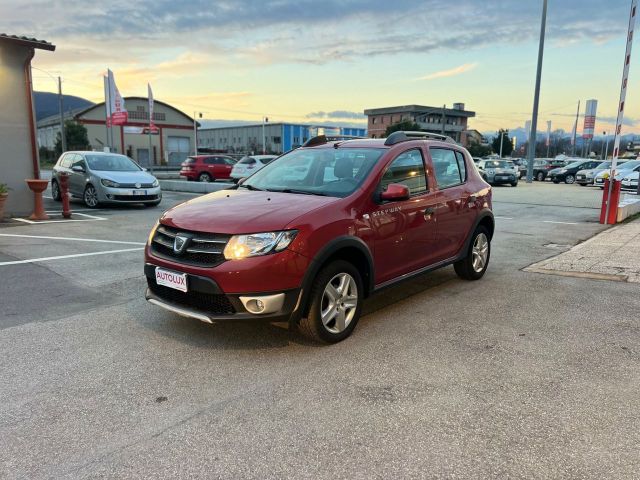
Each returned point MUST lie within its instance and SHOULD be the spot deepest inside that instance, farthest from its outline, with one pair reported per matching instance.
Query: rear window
(247, 161)
(264, 161)
(190, 160)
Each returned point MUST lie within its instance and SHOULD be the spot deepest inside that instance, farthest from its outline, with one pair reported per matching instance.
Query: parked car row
(209, 168)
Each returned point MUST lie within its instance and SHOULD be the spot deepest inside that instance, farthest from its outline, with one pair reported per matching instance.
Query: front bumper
(206, 302)
(500, 178)
(629, 185)
(129, 195)
(584, 180)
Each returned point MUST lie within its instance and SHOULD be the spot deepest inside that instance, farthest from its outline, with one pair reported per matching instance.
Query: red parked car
(207, 168)
(312, 234)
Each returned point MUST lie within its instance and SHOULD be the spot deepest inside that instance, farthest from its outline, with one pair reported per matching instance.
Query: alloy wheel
(339, 303)
(91, 196)
(569, 179)
(480, 252)
(55, 190)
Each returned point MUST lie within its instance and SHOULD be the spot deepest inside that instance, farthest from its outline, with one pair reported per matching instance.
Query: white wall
(15, 141)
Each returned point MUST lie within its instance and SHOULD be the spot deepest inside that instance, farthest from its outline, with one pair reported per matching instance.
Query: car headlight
(153, 232)
(254, 244)
(109, 183)
(155, 182)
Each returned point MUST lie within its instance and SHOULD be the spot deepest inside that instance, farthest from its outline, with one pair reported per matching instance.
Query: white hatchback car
(249, 165)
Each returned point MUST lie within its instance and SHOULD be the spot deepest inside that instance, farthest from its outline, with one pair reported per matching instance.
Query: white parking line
(90, 218)
(74, 239)
(504, 218)
(561, 223)
(61, 257)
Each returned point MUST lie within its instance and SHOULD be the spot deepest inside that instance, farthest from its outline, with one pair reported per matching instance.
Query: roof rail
(401, 136)
(322, 139)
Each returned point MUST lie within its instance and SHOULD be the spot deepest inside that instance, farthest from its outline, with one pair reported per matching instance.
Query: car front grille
(205, 302)
(202, 249)
(135, 198)
(133, 185)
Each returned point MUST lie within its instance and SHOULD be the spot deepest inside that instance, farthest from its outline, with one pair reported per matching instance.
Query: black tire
(582, 184)
(312, 325)
(514, 184)
(55, 191)
(88, 196)
(540, 176)
(465, 268)
(205, 177)
(556, 181)
(570, 179)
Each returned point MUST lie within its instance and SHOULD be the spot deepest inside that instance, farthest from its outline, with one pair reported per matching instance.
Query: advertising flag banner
(548, 142)
(119, 115)
(589, 119)
(150, 95)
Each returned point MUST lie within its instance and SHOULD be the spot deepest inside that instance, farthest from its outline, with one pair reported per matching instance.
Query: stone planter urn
(38, 186)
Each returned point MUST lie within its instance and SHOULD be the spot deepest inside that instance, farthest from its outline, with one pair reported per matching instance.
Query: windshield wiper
(251, 187)
(303, 192)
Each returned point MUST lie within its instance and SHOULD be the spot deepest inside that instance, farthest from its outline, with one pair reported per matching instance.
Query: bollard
(613, 201)
(64, 194)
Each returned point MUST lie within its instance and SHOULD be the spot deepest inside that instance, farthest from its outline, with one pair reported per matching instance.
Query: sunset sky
(326, 61)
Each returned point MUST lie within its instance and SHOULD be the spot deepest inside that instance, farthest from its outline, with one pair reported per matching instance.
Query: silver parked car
(99, 177)
(499, 171)
(621, 171)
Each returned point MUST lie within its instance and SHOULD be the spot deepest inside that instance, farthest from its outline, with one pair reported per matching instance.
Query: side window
(66, 160)
(445, 167)
(462, 166)
(229, 161)
(209, 160)
(407, 169)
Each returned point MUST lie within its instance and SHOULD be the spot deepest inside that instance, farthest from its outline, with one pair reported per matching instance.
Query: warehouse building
(448, 121)
(277, 137)
(171, 143)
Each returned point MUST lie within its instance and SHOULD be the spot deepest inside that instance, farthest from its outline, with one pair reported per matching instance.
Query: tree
(77, 138)
(477, 150)
(406, 125)
(507, 146)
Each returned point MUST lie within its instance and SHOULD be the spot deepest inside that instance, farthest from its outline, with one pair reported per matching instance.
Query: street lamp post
(501, 142)
(606, 148)
(63, 135)
(536, 96)
(195, 131)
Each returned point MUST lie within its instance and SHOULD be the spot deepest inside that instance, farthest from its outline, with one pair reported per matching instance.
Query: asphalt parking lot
(517, 375)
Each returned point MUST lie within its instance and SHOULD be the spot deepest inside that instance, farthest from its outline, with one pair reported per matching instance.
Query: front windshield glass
(318, 171)
(111, 163)
(604, 165)
(499, 164)
(628, 165)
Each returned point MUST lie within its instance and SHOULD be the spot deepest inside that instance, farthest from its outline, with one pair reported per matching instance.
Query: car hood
(125, 177)
(619, 171)
(242, 211)
(592, 171)
(555, 170)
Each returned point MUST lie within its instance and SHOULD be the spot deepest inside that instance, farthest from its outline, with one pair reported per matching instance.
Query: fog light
(263, 304)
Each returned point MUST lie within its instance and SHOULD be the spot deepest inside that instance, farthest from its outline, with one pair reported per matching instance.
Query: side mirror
(395, 192)
(78, 168)
(242, 180)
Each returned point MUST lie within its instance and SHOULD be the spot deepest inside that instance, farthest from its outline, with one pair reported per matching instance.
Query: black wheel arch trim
(331, 248)
(486, 213)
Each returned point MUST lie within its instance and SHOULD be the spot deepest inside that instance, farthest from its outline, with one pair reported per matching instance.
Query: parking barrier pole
(64, 194)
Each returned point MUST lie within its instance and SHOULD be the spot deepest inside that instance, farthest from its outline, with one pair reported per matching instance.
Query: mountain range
(46, 103)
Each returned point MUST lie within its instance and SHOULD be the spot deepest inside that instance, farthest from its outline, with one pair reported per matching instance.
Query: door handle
(472, 199)
(429, 211)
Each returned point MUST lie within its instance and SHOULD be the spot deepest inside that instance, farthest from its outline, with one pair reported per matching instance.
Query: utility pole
(444, 107)
(264, 138)
(575, 131)
(63, 134)
(536, 96)
(606, 148)
(501, 142)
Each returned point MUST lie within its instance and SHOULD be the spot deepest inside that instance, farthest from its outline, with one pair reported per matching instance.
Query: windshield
(574, 165)
(247, 161)
(628, 165)
(111, 163)
(603, 165)
(323, 171)
(499, 164)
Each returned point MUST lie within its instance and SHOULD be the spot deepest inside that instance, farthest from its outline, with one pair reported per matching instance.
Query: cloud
(343, 114)
(452, 72)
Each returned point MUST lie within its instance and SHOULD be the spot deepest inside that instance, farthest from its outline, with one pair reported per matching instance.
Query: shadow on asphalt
(249, 335)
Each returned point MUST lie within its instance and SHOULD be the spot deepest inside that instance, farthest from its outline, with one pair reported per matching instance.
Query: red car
(207, 168)
(312, 234)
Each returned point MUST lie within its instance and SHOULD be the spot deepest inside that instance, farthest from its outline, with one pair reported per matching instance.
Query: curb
(192, 187)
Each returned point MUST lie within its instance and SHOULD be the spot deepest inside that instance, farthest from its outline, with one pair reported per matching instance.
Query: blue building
(276, 137)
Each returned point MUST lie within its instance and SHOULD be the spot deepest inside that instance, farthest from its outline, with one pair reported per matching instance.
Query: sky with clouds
(306, 61)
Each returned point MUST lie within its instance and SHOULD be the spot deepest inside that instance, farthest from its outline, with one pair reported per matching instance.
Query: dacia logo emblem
(180, 243)
(138, 185)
